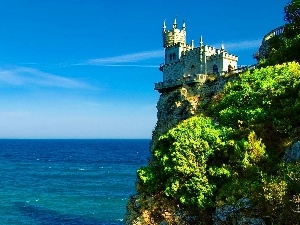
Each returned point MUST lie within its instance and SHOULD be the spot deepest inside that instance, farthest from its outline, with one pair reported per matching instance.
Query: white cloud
(127, 58)
(24, 76)
(131, 65)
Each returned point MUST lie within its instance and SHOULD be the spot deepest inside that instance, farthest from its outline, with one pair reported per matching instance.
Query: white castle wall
(196, 61)
(192, 63)
(173, 71)
(169, 53)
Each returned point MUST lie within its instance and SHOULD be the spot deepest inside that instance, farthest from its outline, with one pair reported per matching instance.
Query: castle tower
(174, 41)
(173, 36)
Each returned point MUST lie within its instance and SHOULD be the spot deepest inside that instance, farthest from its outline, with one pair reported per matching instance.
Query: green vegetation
(284, 47)
(202, 164)
(292, 16)
(281, 49)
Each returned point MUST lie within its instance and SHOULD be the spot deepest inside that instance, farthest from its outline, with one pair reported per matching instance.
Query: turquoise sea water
(68, 181)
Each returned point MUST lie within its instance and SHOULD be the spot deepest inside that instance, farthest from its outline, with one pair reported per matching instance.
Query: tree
(285, 47)
(292, 16)
(265, 101)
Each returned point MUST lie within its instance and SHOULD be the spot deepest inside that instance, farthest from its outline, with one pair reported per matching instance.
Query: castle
(186, 64)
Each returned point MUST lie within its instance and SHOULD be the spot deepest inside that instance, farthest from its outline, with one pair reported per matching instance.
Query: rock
(235, 214)
(292, 153)
(252, 221)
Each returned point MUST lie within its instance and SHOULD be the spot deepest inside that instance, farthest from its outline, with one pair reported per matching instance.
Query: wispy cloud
(123, 60)
(131, 65)
(241, 45)
(21, 76)
(126, 60)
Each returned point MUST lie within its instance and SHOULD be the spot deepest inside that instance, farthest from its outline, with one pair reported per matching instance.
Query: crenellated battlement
(210, 50)
(174, 36)
(222, 54)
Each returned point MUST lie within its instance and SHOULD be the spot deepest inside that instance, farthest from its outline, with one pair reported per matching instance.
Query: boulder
(292, 153)
(235, 214)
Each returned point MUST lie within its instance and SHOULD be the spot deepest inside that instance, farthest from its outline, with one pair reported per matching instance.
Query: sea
(68, 181)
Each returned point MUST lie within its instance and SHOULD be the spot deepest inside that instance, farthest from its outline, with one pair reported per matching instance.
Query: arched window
(230, 68)
(174, 56)
(193, 70)
(171, 56)
(215, 69)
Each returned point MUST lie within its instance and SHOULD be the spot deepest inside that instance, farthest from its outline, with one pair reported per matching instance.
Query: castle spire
(222, 46)
(201, 41)
(183, 26)
(164, 26)
(174, 24)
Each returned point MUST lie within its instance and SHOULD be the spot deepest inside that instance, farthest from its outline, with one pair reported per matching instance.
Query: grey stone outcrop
(234, 214)
(292, 153)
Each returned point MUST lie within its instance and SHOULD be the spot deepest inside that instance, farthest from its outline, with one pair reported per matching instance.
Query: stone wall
(173, 71)
(195, 61)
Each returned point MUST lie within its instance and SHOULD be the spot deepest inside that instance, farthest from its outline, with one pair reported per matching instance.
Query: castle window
(215, 69)
(171, 56)
(230, 68)
(193, 72)
(174, 56)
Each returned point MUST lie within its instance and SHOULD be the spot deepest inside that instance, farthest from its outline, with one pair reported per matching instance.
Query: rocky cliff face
(178, 104)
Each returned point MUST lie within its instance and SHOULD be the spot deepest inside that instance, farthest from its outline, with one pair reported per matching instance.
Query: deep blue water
(68, 181)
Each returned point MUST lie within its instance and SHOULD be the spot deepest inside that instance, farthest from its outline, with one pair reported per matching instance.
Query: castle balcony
(197, 78)
(187, 79)
(160, 86)
(161, 67)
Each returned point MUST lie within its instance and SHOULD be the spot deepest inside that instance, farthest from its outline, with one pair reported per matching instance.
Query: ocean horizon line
(75, 138)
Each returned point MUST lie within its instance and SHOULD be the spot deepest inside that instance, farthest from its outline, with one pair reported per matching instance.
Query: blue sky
(86, 69)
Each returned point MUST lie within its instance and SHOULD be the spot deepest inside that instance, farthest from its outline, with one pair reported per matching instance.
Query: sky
(87, 68)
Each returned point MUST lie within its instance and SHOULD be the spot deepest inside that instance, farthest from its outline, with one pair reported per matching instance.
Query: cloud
(127, 59)
(131, 65)
(21, 76)
(123, 60)
(241, 45)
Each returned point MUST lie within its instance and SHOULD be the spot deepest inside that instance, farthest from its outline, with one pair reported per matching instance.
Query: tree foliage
(266, 101)
(285, 47)
(280, 49)
(179, 165)
(292, 16)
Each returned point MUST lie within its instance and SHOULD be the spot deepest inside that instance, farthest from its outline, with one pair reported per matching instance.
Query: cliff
(236, 161)
(178, 104)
